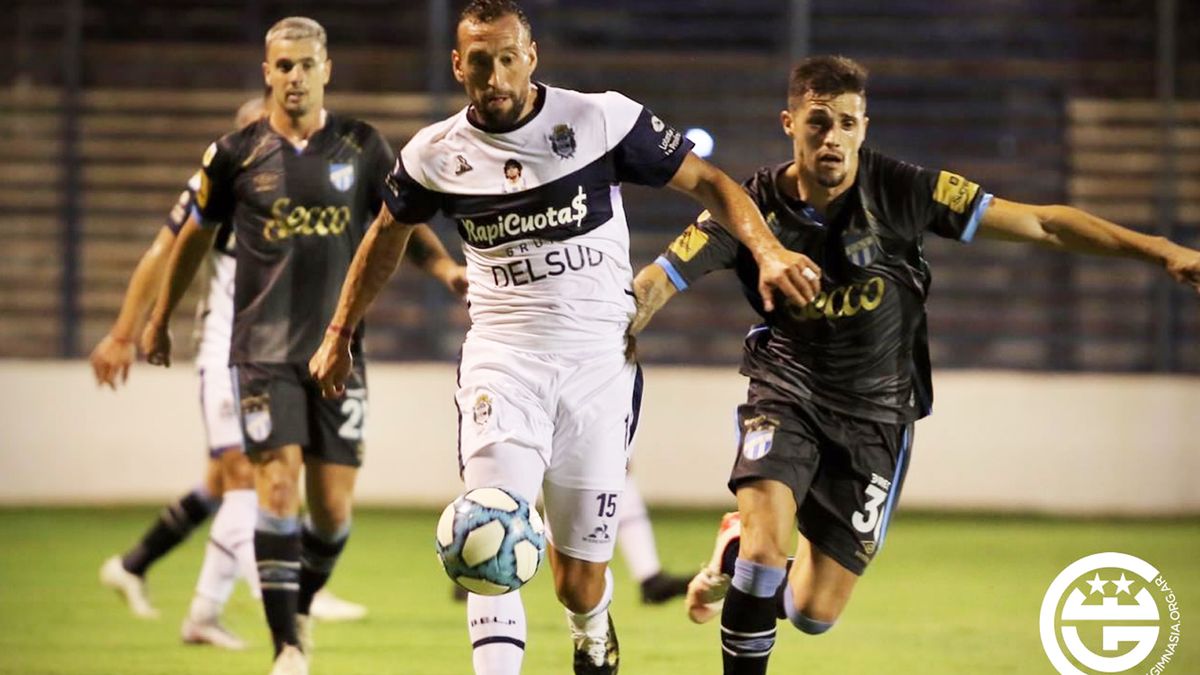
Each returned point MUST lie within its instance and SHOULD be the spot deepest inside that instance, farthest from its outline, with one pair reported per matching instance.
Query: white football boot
(328, 607)
(706, 591)
(129, 586)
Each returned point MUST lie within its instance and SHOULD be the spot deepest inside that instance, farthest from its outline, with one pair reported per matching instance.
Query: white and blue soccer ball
(490, 541)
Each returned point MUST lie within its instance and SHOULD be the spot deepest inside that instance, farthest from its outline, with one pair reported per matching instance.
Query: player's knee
(763, 549)
(811, 619)
(279, 495)
(236, 471)
(810, 625)
(579, 587)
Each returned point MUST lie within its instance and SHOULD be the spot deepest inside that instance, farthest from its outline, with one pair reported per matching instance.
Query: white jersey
(539, 211)
(214, 313)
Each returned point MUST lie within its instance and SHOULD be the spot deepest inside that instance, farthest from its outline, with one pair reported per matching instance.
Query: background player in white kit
(545, 393)
(228, 479)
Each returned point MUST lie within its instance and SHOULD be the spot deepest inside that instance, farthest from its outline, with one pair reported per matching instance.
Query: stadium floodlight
(705, 143)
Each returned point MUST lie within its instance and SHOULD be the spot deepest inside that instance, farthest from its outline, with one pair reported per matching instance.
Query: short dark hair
(487, 11)
(826, 75)
(512, 164)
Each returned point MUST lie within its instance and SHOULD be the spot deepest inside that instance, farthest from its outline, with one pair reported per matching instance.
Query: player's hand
(631, 348)
(1184, 266)
(156, 344)
(793, 274)
(455, 278)
(111, 358)
(330, 366)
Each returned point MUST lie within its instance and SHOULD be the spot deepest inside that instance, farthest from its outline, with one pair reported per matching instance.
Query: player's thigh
(820, 585)
(273, 406)
(513, 467)
(855, 492)
(503, 397)
(223, 430)
(777, 457)
(767, 508)
(335, 426)
(581, 522)
(598, 408)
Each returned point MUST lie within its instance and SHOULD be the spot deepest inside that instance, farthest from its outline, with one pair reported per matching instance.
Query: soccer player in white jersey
(546, 392)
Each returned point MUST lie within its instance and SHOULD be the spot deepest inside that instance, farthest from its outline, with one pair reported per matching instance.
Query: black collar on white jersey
(537, 108)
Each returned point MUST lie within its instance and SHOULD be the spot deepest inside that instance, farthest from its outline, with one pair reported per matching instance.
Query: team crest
(562, 141)
(759, 437)
(341, 176)
(862, 248)
(256, 417)
(482, 411)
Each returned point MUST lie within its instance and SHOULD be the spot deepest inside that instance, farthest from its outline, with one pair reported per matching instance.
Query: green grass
(954, 594)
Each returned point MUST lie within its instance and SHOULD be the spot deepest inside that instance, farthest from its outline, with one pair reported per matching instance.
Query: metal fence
(1091, 102)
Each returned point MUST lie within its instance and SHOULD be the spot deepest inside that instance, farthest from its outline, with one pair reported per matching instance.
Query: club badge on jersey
(256, 417)
(341, 176)
(760, 436)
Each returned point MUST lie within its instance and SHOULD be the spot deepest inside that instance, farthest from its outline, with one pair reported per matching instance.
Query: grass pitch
(948, 595)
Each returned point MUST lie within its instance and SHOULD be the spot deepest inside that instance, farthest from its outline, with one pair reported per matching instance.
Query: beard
(503, 119)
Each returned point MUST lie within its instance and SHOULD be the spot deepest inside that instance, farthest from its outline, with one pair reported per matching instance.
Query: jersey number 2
(355, 410)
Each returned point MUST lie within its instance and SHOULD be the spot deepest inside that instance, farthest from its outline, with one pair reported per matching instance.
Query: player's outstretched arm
(791, 273)
(652, 288)
(192, 244)
(114, 353)
(426, 251)
(1070, 229)
(373, 264)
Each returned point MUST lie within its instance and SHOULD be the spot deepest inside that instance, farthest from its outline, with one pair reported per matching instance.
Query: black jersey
(861, 347)
(298, 216)
(177, 217)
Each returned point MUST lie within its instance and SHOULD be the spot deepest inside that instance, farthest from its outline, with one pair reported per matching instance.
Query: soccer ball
(490, 541)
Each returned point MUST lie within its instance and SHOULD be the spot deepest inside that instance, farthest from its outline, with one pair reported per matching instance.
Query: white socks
(230, 551)
(593, 623)
(635, 535)
(496, 625)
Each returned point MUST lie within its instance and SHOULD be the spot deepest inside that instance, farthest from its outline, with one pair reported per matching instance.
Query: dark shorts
(281, 405)
(845, 472)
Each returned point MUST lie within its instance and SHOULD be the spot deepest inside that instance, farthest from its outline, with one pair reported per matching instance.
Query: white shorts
(217, 404)
(559, 422)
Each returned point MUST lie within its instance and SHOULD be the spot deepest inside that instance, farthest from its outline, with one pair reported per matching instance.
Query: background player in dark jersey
(545, 351)
(836, 384)
(228, 479)
(300, 188)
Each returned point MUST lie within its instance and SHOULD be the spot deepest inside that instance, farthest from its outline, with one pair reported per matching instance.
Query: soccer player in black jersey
(836, 383)
(300, 187)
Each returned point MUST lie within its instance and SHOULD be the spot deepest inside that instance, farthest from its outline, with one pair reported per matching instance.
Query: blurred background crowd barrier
(106, 107)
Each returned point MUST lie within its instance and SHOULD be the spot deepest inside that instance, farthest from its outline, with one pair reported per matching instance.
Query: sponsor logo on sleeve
(689, 243)
(954, 191)
(204, 190)
(461, 165)
(209, 153)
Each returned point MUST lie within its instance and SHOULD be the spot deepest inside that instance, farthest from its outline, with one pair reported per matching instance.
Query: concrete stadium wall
(1072, 444)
